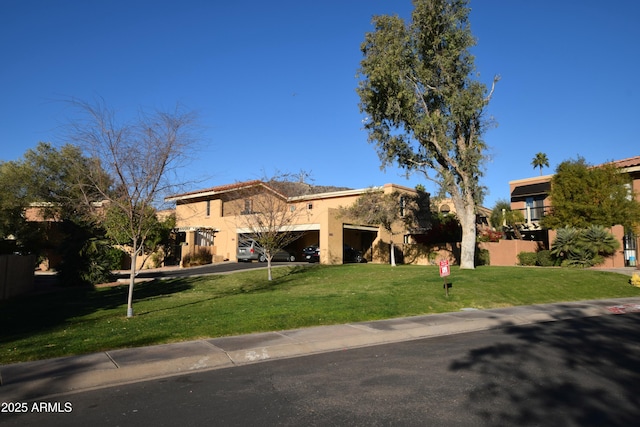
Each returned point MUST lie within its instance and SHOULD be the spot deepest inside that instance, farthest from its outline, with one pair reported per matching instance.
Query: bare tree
(141, 158)
(269, 218)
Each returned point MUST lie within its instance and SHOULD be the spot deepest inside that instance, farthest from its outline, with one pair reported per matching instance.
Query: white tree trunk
(269, 268)
(467, 219)
(132, 276)
(393, 254)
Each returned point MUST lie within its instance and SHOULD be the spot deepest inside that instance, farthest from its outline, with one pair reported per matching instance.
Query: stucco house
(213, 218)
(531, 197)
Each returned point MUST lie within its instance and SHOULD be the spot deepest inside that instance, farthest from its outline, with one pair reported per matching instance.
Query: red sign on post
(444, 272)
(444, 268)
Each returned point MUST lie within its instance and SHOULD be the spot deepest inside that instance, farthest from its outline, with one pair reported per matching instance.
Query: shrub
(545, 259)
(202, 257)
(115, 258)
(482, 257)
(87, 257)
(487, 235)
(566, 242)
(157, 258)
(583, 248)
(527, 258)
(599, 241)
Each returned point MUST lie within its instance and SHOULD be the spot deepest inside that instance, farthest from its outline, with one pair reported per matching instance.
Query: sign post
(444, 272)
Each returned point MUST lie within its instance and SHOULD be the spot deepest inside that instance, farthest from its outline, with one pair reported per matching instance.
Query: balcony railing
(533, 215)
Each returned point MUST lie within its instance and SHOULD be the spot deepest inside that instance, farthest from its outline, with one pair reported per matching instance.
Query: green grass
(74, 321)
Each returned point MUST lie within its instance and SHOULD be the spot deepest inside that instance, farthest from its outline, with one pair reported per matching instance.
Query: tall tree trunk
(393, 254)
(467, 219)
(466, 212)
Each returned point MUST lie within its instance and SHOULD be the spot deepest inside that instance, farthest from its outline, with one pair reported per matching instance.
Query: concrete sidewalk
(48, 378)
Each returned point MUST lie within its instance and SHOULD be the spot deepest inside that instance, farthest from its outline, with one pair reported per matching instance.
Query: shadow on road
(582, 372)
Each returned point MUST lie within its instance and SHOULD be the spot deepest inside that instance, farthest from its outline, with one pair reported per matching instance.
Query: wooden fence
(16, 275)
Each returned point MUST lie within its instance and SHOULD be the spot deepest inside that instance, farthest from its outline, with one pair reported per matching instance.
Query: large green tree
(53, 182)
(424, 110)
(583, 195)
(17, 234)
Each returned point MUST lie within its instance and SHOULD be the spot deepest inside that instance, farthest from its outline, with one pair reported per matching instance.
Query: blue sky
(274, 81)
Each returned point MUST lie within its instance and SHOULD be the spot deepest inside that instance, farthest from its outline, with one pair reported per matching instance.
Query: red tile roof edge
(222, 188)
(625, 163)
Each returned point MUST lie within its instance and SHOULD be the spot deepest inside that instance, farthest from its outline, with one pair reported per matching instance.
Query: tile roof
(219, 189)
(282, 188)
(627, 163)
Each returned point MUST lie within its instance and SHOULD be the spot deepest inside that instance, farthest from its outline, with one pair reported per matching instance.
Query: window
(208, 207)
(403, 205)
(534, 208)
(204, 238)
(309, 206)
(248, 206)
(629, 188)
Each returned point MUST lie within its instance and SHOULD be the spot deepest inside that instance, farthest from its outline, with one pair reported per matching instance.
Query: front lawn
(75, 321)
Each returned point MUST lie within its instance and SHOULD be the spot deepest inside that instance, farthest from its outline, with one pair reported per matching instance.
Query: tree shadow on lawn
(582, 372)
(261, 285)
(29, 314)
(278, 282)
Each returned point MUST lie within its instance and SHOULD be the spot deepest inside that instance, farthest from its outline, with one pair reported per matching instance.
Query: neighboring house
(531, 197)
(213, 218)
(50, 258)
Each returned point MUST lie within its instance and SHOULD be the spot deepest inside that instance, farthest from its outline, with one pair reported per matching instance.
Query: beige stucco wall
(505, 252)
(317, 212)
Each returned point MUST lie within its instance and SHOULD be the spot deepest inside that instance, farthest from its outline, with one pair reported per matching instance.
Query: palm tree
(539, 161)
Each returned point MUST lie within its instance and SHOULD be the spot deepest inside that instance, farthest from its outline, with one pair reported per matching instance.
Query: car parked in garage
(349, 255)
(250, 250)
(311, 253)
(352, 255)
(280, 255)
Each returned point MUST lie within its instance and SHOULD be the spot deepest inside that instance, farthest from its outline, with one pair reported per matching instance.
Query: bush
(87, 257)
(202, 257)
(527, 258)
(157, 258)
(583, 247)
(115, 258)
(487, 235)
(482, 257)
(545, 259)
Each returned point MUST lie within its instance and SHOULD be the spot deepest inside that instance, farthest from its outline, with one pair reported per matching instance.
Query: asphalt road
(580, 372)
